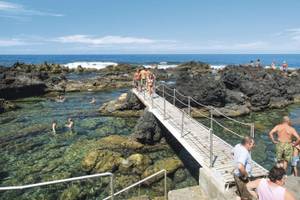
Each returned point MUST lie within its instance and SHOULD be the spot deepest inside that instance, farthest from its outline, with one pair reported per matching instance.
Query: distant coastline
(167, 60)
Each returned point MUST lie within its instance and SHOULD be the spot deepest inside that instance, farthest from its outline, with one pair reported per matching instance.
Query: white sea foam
(217, 66)
(90, 65)
(161, 65)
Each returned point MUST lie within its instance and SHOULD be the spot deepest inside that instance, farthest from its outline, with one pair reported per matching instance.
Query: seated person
(271, 188)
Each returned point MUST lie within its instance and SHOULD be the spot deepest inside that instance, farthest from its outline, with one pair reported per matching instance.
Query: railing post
(182, 122)
(211, 148)
(189, 105)
(252, 133)
(165, 185)
(152, 103)
(174, 96)
(164, 101)
(211, 120)
(112, 186)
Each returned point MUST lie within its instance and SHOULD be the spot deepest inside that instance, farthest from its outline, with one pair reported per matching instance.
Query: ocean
(166, 60)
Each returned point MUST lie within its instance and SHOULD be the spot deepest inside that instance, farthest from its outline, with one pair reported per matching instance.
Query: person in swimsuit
(284, 147)
(54, 126)
(295, 160)
(137, 79)
(143, 75)
(150, 82)
(70, 124)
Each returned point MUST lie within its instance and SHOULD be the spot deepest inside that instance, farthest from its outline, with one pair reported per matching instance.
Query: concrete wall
(212, 188)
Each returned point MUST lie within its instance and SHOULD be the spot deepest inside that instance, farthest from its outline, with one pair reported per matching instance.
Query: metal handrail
(206, 106)
(210, 108)
(143, 180)
(21, 187)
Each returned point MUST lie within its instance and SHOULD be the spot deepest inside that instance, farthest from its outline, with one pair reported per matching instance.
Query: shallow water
(30, 153)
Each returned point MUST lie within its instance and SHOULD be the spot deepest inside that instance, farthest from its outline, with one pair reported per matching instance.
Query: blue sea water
(214, 59)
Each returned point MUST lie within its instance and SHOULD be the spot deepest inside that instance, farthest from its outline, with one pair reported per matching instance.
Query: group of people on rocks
(271, 188)
(284, 66)
(144, 79)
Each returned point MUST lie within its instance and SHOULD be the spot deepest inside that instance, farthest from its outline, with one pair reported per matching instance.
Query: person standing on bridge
(284, 146)
(137, 80)
(143, 76)
(150, 82)
(242, 171)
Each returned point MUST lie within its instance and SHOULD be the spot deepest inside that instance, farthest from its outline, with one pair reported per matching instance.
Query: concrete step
(189, 193)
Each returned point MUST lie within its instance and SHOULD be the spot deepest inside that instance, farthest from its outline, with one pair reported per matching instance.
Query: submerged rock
(101, 161)
(118, 142)
(136, 163)
(71, 193)
(7, 106)
(169, 164)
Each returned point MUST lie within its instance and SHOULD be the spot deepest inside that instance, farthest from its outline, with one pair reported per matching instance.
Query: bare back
(285, 132)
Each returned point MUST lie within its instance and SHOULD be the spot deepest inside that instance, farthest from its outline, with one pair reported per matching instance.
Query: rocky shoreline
(234, 90)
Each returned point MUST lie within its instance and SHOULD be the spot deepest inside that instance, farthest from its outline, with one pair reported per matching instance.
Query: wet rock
(179, 175)
(7, 106)
(296, 98)
(235, 97)
(192, 68)
(232, 110)
(71, 193)
(118, 142)
(25, 80)
(279, 102)
(126, 105)
(136, 163)
(169, 164)
(122, 181)
(101, 161)
(142, 197)
(89, 161)
(147, 130)
(97, 84)
(204, 89)
(159, 186)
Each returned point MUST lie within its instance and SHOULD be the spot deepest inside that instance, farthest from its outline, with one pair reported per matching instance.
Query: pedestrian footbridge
(174, 110)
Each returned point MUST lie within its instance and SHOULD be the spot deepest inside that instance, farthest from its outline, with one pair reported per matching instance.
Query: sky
(149, 26)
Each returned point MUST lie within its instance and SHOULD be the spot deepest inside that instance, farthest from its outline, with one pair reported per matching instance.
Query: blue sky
(152, 26)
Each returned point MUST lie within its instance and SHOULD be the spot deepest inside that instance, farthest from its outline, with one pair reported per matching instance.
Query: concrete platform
(292, 184)
(189, 193)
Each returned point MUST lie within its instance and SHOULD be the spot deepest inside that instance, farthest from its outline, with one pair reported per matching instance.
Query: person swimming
(93, 101)
(60, 99)
(70, 124)
(54, 126)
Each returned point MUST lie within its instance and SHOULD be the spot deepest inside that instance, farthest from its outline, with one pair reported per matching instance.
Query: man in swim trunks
(285, 133)
(137, 79)
(143, 75)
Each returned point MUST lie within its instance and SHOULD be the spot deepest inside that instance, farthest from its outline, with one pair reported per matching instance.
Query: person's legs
(295, 161)
(287, 154)
(279, 153)
(242, 190)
